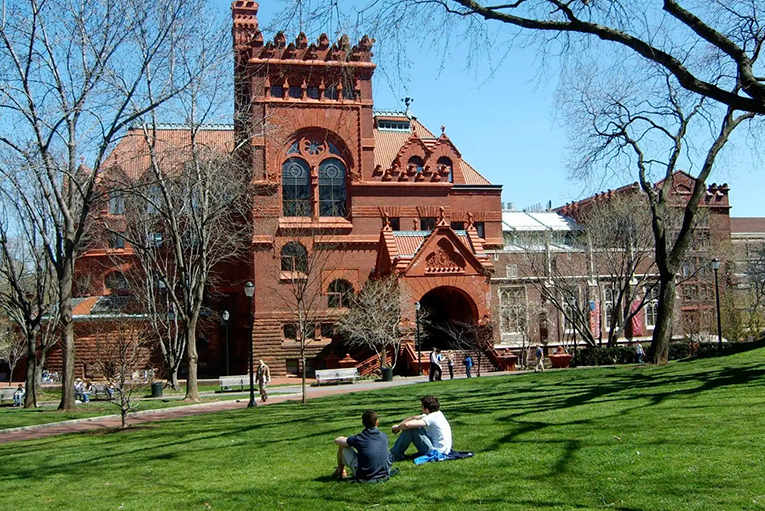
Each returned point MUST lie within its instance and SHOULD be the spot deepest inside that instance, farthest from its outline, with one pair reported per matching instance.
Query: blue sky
(504, 121)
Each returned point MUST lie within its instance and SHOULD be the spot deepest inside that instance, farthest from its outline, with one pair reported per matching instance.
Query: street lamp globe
(249, 289)
(225, 315)
(715, 264)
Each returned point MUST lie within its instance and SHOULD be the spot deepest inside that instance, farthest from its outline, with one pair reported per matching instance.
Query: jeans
(18, 400)
(411, 436)
(467, 371)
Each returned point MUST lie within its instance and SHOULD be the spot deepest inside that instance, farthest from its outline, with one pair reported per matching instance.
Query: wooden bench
(6, 394)
(350, 374)
(226, 382)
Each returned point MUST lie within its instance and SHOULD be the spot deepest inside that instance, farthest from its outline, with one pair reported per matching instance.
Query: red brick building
(367, 192)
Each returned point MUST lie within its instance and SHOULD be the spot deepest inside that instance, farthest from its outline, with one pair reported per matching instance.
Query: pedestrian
(263, 379)
(540, 356)
(450, 364)
(435, 365)
(639, 353)
(468, 365)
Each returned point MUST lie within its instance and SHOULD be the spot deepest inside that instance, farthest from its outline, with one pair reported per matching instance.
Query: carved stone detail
(444, 259)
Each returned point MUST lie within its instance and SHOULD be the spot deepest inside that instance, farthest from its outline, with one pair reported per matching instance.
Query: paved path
(277, 395)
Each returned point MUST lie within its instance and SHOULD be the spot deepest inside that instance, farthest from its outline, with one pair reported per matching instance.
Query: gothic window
(339, 294)
(331, 188)
(651, 305)
(294, 257)
(513, 310)
(608, 305)
(116, 281)
(296, 188)
(302, 191)
(416, 162)
(446, 162)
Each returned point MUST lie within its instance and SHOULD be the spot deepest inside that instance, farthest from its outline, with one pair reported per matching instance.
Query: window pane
(330, 93)
(296, 92)
(427, 224)
(332, 188)
(395, 223)
(296, 188)
(294, 257)
(479, 227)
(312, 92)
(277, 91)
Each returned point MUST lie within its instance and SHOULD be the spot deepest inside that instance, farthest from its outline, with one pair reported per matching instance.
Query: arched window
(446, 162)
(294, 257)
(331, 188)
(296, 188)
(116, 281)
(339, 294)
(417, 162)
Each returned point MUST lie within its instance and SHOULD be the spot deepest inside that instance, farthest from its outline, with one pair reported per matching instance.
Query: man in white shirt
(428, 431)
(435, 365)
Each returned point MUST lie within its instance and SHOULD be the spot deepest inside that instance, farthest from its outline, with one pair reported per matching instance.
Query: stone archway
(443, 305)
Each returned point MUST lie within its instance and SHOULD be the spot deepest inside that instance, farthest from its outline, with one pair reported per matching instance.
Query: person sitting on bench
(428, 431)
(365, 454)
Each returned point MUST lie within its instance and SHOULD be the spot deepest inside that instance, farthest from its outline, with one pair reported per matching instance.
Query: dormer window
(416, 162)
(398, 125)
(446, 163)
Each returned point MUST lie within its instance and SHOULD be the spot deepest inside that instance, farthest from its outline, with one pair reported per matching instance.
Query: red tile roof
(388, 144)
(747, 225)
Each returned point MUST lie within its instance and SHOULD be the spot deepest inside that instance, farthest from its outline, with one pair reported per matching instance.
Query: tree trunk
(302, 362)
(662, 332)
(174, 378)
(192, 358)
(67, 329)
(30, 399)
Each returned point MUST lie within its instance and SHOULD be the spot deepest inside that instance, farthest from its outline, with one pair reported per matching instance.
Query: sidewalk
(276, 395)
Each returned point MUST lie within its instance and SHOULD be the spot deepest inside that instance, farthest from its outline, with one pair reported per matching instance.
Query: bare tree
(619, 241)
(27, 291)
(470, 336)
(373, 319)
(13, 347)
(300, 288)
(648, 123)
(121, 353)
(187, 216)
(74, 76)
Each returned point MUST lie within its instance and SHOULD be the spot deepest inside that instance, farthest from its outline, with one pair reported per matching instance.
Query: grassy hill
(687, 436)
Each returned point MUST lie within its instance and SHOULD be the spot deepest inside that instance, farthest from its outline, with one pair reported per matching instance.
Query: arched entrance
(443, 308)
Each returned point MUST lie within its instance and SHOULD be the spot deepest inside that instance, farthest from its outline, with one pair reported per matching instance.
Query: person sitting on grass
(428, 431)
(365, 455)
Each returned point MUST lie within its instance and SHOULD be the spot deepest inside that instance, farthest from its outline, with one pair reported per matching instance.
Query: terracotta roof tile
(751, 225)
(408, 242)
(388, 144)
(132, 154)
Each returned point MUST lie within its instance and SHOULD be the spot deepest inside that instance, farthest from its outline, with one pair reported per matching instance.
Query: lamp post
(417, 307)
(249, 291)
(715, 267)
(224, 316)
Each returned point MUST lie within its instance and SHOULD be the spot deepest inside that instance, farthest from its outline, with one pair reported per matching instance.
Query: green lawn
(688, 436)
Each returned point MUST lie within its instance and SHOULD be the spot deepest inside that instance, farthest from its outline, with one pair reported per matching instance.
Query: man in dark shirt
(365, 454)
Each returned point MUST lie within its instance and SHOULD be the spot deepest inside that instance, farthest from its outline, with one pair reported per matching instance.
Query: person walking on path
(365, 455)
(468, 365)
(435, 365)
(540, 356)
(263, 378)
(428, 431)
(639, 352)
(450, 364)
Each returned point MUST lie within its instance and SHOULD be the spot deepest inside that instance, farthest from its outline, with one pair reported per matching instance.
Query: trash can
(156, 389)
(387, 374)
